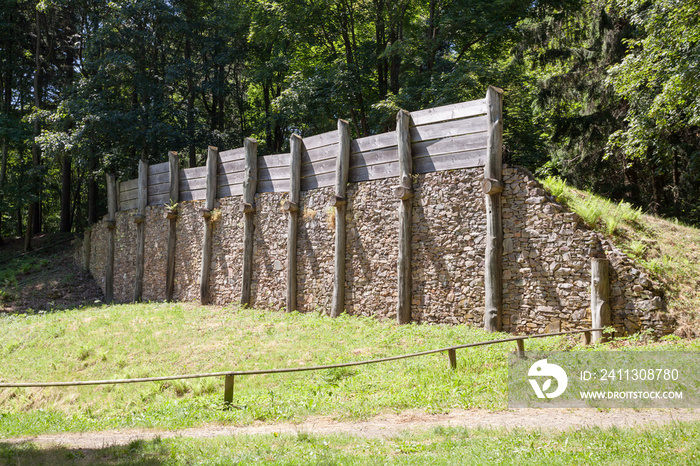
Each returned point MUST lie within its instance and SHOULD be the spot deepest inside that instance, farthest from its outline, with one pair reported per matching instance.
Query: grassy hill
(667, 249)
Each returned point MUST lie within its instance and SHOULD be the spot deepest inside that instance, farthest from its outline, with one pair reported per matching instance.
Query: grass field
(669, 445)
(147, 340)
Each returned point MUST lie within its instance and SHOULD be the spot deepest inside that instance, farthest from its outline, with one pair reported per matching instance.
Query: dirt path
(388, 425)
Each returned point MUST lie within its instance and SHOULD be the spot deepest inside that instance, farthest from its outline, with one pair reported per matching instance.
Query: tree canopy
(599, 92)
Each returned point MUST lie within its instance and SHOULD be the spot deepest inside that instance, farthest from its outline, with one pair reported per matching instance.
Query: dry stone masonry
(545, 255)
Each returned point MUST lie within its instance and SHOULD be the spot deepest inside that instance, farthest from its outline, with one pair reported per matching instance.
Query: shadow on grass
(138, 452)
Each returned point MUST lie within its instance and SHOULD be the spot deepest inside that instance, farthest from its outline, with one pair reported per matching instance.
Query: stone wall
(546, 260)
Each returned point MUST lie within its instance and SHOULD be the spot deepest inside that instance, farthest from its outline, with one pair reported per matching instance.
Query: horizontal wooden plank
(266, 174)
(374, 172)
(158, 168)
(233, 154)
(320, 140)
(231, 167)
(128, 185)
(375, 157)
(318, 168)
(229, 190)
(128, 205)
(319, 181)
(193, 173)
(466, 159)
(192, 184)
(159, 199)
(195, 195)
(226, 179)
(129, 195)
(321, 153)
(273, 186)
(449, 145)
(449, 128)
(448, 112)
(273, 161)
(160, 188)
(159, 178)
(377, 141)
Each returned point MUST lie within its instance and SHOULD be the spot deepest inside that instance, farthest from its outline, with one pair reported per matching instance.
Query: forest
(601, 93)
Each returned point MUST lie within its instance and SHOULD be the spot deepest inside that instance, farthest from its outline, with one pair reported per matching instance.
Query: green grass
(146, 340)
(668, 250)
(675, 444)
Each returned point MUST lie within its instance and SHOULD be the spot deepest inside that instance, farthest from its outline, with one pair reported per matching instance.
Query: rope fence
(229, 375)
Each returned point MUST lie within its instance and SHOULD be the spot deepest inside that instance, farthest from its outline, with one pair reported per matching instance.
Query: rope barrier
(288, 369)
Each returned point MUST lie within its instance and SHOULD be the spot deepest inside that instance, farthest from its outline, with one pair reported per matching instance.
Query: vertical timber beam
(140, 219)
(339, 201)
(600, 292)
(405, 194)
(212, 162)
(250, 187)
(292, 207)
(493, 187)
(171, 215)
(111, 225)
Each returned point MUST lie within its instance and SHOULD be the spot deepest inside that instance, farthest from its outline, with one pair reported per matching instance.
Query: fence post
(339, 201)
(521, 348)
(250, 187)
(405, 194)
(171, 215)
(492, 187)
(212, 162)
(452, 354)
(87, 249)
(600, 290)
(139, 219)
(111, 225)
(228, 390)
(292, 207)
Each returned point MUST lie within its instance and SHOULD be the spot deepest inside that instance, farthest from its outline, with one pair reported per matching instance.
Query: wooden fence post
(250, 187)
(492, 187)
(171, 215)
(600, 291)
(212, 162)
(111, 225)
(339, 201)
(405, 193)
(292, 206)
(87, 249)
(139, 219)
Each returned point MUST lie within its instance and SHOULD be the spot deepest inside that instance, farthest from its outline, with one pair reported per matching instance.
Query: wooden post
(250, 187)
(171, 215)
(139, 219)
(87, 249)
(452, 354)
(521, 348)
(111, 225)
(339, 201)
(292, 206)
(405, 194)
(228, 390)
(600, 292)
(493, 186)
(212, 162)
(587, 338)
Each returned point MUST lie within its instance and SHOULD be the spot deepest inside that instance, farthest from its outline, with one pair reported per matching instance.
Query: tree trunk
(34, 212)
(92, 190)
(190, 103)
(66, 194)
